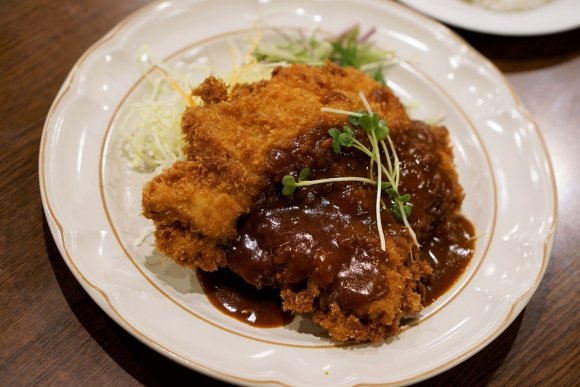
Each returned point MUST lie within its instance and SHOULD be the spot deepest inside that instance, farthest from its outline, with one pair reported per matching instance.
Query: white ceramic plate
(555, 16)
(92, 199)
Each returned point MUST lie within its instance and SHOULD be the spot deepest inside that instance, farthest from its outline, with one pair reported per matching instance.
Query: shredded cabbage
(152, 129)
(153, 139)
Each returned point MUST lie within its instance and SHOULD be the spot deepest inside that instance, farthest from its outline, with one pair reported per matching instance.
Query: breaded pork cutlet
(195, 204)
(222, 206)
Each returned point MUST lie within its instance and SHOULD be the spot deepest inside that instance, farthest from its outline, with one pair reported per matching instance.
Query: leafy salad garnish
(347, 49)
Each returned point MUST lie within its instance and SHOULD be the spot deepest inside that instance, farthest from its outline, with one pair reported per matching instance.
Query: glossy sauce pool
(233, 296)
(449, 252)
(326, 234)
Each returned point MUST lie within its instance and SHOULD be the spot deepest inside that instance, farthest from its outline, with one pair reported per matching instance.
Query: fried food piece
(212, 90)
(194, 208)
(229, 142)
(321, 247)
(221, 207)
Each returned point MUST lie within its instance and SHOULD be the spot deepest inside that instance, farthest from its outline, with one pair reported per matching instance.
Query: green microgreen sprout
(304, 174)
(401, 207)
(289, 183)
(378, 134)
(347, 139)
(350, 49)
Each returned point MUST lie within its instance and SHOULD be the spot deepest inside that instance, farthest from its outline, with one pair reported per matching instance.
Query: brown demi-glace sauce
(449, 251)
(327, 233)
(452, 246)
(236, 298)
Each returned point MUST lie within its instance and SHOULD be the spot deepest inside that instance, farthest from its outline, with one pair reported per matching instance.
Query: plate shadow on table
(142, 363)
(481, 367)
(524, 53)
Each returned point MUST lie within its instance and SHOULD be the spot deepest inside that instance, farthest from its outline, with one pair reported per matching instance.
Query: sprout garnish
(378, 134)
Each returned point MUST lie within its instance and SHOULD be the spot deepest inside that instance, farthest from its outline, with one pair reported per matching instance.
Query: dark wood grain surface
(52, 333)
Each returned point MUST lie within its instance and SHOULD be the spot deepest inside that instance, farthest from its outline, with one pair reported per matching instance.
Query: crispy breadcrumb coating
(238, 148)
(228, 142)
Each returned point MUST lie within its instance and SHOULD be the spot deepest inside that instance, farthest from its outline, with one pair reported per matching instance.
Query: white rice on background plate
(508, 5)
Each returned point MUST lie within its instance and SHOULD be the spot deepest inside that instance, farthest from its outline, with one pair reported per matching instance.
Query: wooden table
(51, 332)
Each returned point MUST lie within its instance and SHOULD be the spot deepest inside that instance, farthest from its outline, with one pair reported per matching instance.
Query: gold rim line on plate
(551, 232)
(218, 37)
(491, 231)
(520, 107)
(51, 217)
(547, 242)
(120, 240)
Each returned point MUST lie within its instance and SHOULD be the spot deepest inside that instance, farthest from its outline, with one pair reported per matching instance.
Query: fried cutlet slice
(229, 140)
(194, 208)
(240, 144)
(321, 248)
